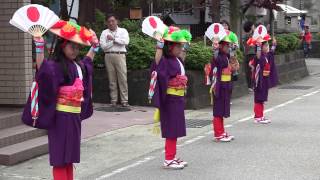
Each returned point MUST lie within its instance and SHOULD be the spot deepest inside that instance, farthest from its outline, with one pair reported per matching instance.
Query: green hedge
(287, 43)
(141, 51)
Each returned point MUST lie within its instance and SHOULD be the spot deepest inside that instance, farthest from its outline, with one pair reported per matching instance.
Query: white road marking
(192, 140)
(281, 105)
(21, 177)
(117, 171)
(245, 119)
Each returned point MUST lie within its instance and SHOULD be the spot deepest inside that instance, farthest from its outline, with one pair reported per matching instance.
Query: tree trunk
(215, 11)
(234, 16)
(64, 10)
(271, 23)
(82, 11)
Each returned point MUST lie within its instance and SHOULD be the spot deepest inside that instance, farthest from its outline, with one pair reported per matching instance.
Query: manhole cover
(113, 109)
(197, 123)
(296, 87)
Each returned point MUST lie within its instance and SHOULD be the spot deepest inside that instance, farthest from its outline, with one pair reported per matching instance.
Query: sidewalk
(110, 139)
(102, 122)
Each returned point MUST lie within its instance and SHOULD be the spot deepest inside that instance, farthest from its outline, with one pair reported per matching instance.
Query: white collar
(79, 71)
(183, 71)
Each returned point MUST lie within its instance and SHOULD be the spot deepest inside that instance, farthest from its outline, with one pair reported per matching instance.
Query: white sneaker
(228, 135)
(172, 164)
(223, 139)
(184, 163)
(266, 120)
(261, 120)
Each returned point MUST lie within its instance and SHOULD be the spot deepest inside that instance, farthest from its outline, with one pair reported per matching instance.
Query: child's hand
(94, 40)
(215, 46)
(160, 44)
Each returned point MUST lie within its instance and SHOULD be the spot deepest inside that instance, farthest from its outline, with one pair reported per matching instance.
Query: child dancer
(169, 95)
(221, 75)
(264, 72)
(64, 98)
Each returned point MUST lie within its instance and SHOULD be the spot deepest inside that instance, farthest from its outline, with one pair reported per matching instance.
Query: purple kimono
(222, 91)
(64, 129)
(171, 107)
(263, 83)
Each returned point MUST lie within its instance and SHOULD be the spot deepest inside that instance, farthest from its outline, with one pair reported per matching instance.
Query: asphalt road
(286, 149)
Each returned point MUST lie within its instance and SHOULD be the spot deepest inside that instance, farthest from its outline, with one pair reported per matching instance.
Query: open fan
(216, 33)
(34, 19)
(153, 27)
(260, 32)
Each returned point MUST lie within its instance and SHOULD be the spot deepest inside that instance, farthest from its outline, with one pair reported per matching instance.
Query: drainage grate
(197, 123)
(296, 87)
(113, 109)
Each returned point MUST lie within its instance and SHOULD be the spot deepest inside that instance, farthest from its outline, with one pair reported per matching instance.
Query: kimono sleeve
(47, 96)
(86, 106)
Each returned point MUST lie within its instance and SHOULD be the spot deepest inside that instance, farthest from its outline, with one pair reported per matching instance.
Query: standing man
(113, 42)
(248, 28)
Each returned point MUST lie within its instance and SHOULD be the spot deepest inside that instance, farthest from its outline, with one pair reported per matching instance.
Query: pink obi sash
(178, 82)
(70, 97)
(266, 69)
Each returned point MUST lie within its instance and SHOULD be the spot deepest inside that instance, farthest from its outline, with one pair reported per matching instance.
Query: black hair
(225, 22)
(108, 16)
(247, 26)
(59, 57)
(166, 48)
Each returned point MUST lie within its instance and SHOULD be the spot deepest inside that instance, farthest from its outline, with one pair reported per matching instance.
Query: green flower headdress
(174, 34)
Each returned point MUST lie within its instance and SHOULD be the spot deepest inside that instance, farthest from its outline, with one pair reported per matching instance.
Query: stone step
(17, 134)
(23, 151)
(10, 120)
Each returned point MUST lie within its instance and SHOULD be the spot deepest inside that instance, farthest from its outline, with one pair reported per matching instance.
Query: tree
(64, 10)
(234, 15)
(63, 6)
(267, 4)
(215, 10)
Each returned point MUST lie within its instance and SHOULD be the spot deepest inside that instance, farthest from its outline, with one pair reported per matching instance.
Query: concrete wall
(291, 67)
(15, 57)
(315, 51)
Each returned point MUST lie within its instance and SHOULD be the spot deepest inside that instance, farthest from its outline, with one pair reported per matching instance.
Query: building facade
(15, 57)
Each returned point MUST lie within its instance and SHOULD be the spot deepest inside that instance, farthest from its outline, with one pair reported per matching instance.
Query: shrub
(287, 42)
(132, 26)
(240, 56)
(198, 55)
(141, 51)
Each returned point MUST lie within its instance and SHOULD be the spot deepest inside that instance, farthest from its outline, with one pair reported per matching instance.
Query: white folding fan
(153, 27)
(260, 32)
(216, 32)
(34, 19)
